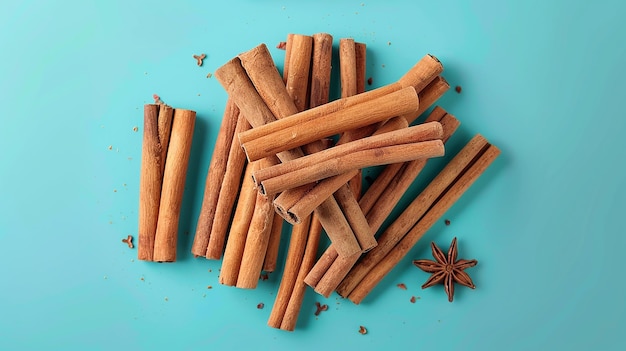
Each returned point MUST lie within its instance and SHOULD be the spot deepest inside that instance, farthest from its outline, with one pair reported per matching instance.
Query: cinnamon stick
(229, 191)
(214, 179)
(347, 67)
(380, 109)
(154, 148)
(447, 199)
(294, 305)
(235, 245)
(174, 176)
(297, 83)
(257, 241)
(292, 266)
(320, 69)
(357, 160)
(430, 196)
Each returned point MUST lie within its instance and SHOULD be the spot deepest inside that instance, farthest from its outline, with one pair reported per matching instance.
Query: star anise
(448, 269)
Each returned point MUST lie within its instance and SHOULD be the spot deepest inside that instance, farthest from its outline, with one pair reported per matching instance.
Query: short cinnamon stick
(273, 247)
(256, 243)
(174, 176)
(294, 305)
(236, 242)
(293, 262)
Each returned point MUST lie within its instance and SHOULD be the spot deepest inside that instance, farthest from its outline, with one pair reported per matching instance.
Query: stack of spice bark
(285, 153)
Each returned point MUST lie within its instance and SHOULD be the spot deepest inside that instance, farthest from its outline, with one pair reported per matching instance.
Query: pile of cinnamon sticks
(286, 153)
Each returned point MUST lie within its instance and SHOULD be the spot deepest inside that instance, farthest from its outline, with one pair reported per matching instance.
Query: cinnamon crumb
(362, 330)
(388, 43)
(128, 241)
(166, 299)
(320, 308)
(157, 99)
(199, 58)
(110, 147)
(413, 299)
(369, 81)
(402, 286)
(458, 89)
(135, 128)
(447, 222)
(260, 305)
(209, 75)
(142, 279)
(209, 287)
(282, 45)
(264, 276)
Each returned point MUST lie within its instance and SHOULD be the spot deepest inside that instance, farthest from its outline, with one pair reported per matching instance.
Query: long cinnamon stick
(297, 83)
(319, 86)
(229, 191)
(412, 214)
(357, 160)
(462, 182)
(236, 242)
(214, 179)
(154, 149)
(174, 176)
(380, 109)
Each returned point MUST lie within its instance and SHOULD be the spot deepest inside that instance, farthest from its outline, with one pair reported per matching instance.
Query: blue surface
(543, 80)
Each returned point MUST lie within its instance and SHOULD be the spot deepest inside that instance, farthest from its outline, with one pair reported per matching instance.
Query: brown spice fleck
(282, 45)
(264, 276)
(209, 287)
(135, 128)
(413, 299)
(260, 305)
(129, 241)
(447, 222)
(458, 89)
(362, 330)
(369, 81)
(402, 286)
(209, 75)
(199, 58)
(320, 308)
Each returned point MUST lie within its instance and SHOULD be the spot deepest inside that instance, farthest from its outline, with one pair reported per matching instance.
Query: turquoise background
(543, 80)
